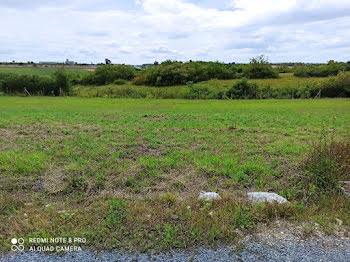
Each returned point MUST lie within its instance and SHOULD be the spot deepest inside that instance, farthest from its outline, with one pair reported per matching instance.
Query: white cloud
(146, 30)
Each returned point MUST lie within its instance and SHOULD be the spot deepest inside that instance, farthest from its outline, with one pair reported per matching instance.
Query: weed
(324, 165)
(242, 217)
(116, 213)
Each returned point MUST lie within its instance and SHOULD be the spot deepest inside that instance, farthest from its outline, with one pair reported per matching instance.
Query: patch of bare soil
(285, 230)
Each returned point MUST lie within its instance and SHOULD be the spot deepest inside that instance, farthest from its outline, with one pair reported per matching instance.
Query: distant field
(41, 71)
(63, 159)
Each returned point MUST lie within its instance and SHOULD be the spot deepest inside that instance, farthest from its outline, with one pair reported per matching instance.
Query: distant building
(68, 62)
(142, 66)
(137, 66)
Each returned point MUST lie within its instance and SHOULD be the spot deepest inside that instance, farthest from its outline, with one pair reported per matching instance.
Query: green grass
(40, 71)
(127, 172)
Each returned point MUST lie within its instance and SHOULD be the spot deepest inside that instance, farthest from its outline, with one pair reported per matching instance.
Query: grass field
(41, 71)
(62, 160)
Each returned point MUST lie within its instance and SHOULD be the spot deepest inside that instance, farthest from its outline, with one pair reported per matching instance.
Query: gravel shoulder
(280, 241)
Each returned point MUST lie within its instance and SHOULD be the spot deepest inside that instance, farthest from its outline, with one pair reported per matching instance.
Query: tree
(259, 67)
(62, 80)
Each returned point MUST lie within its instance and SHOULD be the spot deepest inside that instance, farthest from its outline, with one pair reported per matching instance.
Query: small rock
(25, 215)
(339, 222)
(208, 196)
(260, 197)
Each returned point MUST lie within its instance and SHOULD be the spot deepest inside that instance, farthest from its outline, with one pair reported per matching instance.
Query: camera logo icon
(17, 244)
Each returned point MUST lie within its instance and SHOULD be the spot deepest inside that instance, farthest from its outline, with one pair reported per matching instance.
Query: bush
(140, 80)
(177, 73)
(61, 80)
(36, 85)
(338, 86)
(331, 69)
(259, 67)
(203, 91)
(119, 82)
(284, 68)
(169, 74)
(300, 71)
(243, 89)
(106, 74)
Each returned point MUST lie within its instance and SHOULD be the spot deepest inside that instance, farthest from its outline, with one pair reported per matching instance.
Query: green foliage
(76, 184)
(106, 74)
(284, 68)
(62, 80)
(9, 204)
(140, 80)
(331, 69)
(259, 67)
(116, 213)
(36, 85)
(176, 73)
(243, 89)
(338, 86)
(324, 166)
(242, 217)
(203, 91)
(119, 82)
(41, 71)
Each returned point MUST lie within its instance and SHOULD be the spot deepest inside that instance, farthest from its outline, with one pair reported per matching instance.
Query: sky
(144, 31)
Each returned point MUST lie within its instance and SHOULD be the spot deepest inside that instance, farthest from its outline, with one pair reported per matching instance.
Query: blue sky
(142, 31)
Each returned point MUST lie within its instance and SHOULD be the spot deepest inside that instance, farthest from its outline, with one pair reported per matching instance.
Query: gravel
(261, 248)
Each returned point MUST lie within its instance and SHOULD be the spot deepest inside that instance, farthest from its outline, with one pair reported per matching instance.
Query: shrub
(13, 83)
(203, 91)
(62, 80)
(140, 80)
(243, 89)
(106, 74)
(88, 79)
(284, 68)
(331, 69)
(119, 82)
(169, 74)
(177, 73)
(300, 71)
(338, 86)
(324, 166)
(259, 67)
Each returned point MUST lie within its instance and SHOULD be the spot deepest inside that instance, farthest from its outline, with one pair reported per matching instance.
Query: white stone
(339, 222)
(259, 197)
(208, 196)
